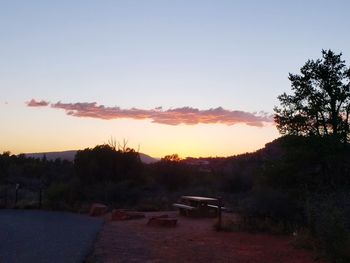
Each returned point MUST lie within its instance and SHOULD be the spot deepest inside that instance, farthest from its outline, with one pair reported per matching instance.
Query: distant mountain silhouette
(271, 151)
(69, 155)
(148, 159)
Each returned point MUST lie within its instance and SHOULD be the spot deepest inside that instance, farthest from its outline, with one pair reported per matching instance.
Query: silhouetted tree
(105, 163)
(320, 104)
(171, 158)
(172, 173)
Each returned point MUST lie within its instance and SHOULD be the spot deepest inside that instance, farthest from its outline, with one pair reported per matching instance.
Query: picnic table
(198, 206)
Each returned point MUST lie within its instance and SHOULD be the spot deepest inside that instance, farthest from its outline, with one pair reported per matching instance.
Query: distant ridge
(64, 155)
(69, 156)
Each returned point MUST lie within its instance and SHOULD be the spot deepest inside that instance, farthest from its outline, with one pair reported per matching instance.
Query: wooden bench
(185, 210)
(186, 207)
(217, 207)
(198, 206)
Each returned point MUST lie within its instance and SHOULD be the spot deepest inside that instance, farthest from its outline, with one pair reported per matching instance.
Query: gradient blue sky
(144, 54)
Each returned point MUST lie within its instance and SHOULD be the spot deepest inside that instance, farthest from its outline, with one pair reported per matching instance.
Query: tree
(172, 173)
(104, 164)
(171, 158)
(320, 104)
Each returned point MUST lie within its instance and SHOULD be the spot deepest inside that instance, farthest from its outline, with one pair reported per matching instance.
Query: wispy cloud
(176, 116)
(36, 103)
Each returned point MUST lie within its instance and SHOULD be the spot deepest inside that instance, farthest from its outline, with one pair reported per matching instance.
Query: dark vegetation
(320, 105)
(316, 164)
(298, 184)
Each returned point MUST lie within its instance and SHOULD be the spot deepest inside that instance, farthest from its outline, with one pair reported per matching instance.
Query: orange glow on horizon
(37, 132)
(156, 140)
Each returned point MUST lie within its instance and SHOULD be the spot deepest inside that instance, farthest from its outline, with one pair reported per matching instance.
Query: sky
(193, 77)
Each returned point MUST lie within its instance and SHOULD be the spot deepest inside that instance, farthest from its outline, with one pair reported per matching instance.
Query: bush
(269, 209)
(26, 204)
(153, 204)
(62, 196)
(329, 221)
(302, 238)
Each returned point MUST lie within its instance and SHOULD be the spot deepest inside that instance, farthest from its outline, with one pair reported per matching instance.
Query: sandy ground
(193, 240)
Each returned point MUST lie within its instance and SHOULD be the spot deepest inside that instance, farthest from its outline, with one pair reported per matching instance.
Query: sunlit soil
(193, 240)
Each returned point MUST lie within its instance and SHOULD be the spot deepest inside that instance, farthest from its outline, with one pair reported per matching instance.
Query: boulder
(120, 214)
(162, 221)
(98, 209)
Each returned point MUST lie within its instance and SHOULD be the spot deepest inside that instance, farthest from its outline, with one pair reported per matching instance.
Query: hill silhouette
(69, 156)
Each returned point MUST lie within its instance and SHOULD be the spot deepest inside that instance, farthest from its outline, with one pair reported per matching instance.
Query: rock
(98, 209)
(119, 214)
(162, 221)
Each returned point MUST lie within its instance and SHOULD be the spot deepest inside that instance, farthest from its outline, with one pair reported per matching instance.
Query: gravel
(43, 236)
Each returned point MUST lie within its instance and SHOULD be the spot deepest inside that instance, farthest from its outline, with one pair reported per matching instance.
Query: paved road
(43, 236)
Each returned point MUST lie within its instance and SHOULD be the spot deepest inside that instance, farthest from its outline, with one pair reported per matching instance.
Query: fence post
(6, 197)
(219, 212)
(16, 195)
(40, 195)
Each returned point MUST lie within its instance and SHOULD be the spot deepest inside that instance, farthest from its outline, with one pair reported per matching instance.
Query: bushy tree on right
(320, 103)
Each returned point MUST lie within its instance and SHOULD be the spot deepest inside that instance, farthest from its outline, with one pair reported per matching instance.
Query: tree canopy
(320, 104)
(105, 163)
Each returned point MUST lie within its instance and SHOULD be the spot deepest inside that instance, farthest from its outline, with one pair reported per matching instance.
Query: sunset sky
(197, 78)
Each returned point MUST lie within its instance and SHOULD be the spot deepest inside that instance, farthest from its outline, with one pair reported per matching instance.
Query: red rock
(98, 209)
(163, 221)
(119, 214)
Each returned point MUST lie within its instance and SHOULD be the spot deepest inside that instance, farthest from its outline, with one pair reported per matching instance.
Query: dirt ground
(193, 240)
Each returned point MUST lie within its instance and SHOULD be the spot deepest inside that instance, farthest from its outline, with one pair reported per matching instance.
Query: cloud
(176, 116)
(35, 103)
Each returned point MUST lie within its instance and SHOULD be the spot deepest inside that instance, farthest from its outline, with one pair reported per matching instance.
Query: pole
(16, 195)
(40, 197)
(219, 212)
(6, 197)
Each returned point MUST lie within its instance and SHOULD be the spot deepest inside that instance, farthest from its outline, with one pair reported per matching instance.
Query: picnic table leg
(219, 212)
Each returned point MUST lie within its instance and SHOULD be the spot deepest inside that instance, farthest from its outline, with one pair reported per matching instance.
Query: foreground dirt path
(193, 240)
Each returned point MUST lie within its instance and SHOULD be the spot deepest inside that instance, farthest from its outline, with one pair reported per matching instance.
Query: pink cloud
(177, 116)
(35, 103)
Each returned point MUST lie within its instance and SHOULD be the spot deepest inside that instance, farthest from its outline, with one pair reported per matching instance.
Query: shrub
(302, 238)
(268, 209)
(62, 196)
(329, 221)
